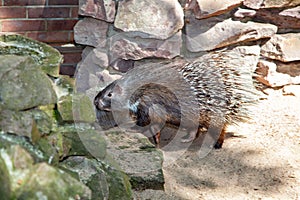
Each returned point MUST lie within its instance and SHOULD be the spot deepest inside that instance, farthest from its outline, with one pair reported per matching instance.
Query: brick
(50, 37)
(23, 25)
(23, 2)
(72, 36)
(57, 12)
(67, 69)
(12, 12)
(72, 57)
(63, 2)
(74, 12)
(54, 25)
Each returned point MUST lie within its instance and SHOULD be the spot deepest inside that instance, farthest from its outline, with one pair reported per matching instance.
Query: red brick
(72, 36)
(67, 69)
(23, 2)
(23, 25)
(50, 37)
(63, 2)
(74, 12)
(56, 12)
(55, 25)
(12, 12)
(72, 57)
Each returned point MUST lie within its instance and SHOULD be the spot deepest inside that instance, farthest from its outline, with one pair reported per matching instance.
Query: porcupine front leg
(155, 131)
(220, 140)
(191, 137)
(218, 134)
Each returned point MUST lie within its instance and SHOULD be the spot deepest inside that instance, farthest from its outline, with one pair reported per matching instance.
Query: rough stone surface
(80, 140)
(212, 33)
(105, 181)
(160, 20)
(139, 159)
(271, 76)
(292, 12)
(45, 56)
(47, 182)
(256, 4)
(205, 9)
(76, 107)
(91, 71)
(23, 85)
(283, 47)
(242, 13)
(19, 123)
(283, 20)
(99, 9)
(132, 47)
(5, 189)
(90, 31)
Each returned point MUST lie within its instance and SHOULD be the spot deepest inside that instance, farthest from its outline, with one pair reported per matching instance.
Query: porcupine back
(222, 85)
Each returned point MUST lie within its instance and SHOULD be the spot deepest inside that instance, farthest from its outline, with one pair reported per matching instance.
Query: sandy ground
(261, 160)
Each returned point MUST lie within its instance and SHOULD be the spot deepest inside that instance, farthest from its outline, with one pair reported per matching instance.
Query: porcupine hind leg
(218, 136)
(155, 132)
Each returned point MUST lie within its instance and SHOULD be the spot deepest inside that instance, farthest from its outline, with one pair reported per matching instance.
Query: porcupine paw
(218, 145)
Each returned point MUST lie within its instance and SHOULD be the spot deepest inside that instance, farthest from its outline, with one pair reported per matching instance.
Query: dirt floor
(261, 159)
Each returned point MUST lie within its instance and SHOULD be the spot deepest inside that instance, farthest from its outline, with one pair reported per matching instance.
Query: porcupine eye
(109, 95)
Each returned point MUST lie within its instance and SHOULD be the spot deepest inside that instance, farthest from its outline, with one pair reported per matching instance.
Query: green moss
(5, 190)
(48, 58)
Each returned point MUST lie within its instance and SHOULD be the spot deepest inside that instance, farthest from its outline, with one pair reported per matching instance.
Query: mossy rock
(23, 85)
(45, 181)
(76, 107)
(5, 189)
(83, 140)
(105, 179)
(45, 56)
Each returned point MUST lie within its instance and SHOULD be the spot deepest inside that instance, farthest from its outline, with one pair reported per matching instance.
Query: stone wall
(119, 35)
(49, 21)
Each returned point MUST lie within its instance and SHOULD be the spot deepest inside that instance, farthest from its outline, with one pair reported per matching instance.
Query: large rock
(105, 180)
(5, 188)
(45, 181)
(45, 56)
(90, 31)
(212, 33)
(76, 107)
(99, 9)
(256, 4)
(158, 18)
(276, 74)
(283, 47)
(130, 46)
(78, 140)
(139, 159)
(205, 9)
(286, 19)
(19, 123)
(8, 140)
(292, 12)
(23, 85)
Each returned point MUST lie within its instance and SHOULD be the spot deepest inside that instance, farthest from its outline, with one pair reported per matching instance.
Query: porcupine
(213, 88)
